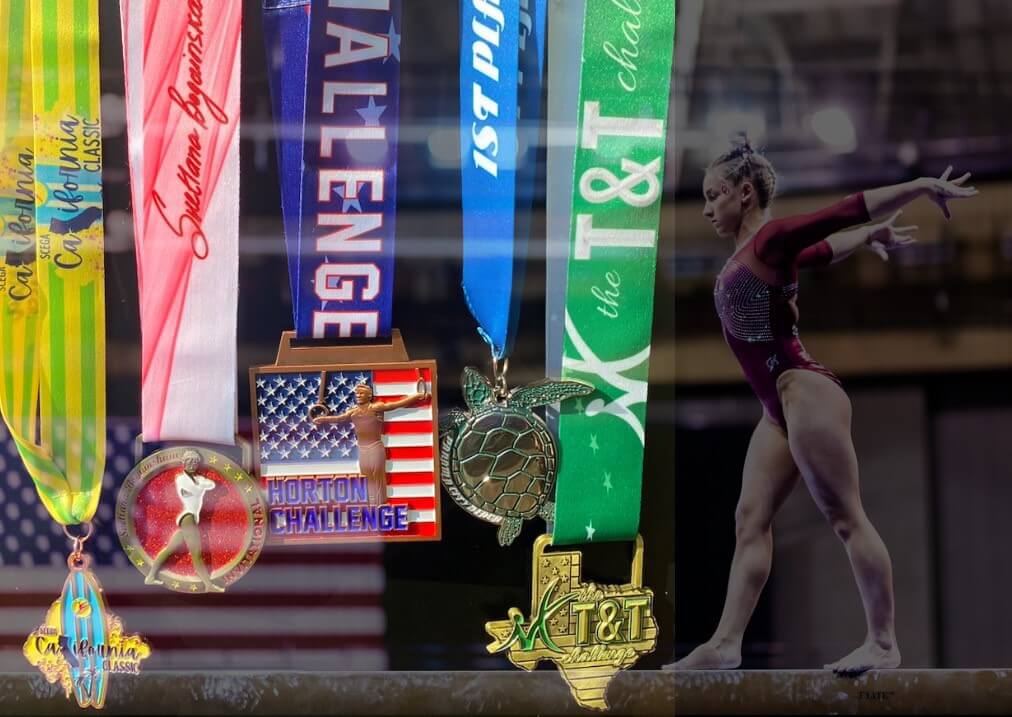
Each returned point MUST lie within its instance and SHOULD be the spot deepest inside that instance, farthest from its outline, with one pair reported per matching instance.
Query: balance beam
(756, 692)
(644, 693)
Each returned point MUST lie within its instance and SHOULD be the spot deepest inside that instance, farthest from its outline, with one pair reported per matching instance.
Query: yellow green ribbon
(52, 299)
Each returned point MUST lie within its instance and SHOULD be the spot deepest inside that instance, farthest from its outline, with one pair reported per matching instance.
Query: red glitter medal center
(223, 522)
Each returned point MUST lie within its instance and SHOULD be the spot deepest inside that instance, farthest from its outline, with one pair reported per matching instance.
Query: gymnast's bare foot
(872, 655)
(712, 655)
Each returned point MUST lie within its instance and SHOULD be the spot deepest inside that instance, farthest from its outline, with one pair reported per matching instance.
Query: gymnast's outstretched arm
(339, 418)
(881, 238)
(885, 200)
(411, 400)
(801, 239)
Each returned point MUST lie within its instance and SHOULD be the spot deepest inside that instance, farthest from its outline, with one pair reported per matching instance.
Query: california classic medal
(52, 317)
(591, 631)
(345, 423)
(189, 517)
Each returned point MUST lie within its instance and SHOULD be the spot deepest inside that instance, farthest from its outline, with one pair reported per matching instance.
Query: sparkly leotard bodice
(757, 290)
(751, 310)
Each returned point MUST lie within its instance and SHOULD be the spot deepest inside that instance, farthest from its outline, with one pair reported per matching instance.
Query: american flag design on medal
(365, 469)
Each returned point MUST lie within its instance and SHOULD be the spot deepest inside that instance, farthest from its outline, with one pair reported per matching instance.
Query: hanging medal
(81, 643)
(189, 516)
(52, 322)
(599, 333)
(498, 459)
(345, 422)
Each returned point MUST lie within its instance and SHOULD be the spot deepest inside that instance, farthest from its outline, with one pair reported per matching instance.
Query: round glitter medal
(191, 519)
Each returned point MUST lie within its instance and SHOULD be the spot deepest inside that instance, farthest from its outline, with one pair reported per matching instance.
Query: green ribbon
(625, 78)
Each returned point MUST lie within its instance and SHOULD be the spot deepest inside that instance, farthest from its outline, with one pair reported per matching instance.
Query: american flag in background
(290, 445)
(298, 608)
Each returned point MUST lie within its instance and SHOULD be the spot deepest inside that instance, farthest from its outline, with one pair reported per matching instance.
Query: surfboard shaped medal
(81, 643)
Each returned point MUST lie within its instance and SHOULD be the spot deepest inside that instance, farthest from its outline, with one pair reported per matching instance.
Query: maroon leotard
(757, 290)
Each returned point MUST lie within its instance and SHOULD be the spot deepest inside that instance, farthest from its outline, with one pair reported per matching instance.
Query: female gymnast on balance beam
(805, 427)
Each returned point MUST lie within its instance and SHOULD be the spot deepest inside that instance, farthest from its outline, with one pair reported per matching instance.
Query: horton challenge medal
(191, 520)
(345, 421)
(589, 630)
(347, 451)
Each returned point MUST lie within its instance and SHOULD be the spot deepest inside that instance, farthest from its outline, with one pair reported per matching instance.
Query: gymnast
(805, 428)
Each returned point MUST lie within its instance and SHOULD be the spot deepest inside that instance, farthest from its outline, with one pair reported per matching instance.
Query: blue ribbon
(501, 69)
(286, 33)
(335, 83)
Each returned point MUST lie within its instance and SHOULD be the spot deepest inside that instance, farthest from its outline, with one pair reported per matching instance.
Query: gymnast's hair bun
(742, 162)
(741, 143)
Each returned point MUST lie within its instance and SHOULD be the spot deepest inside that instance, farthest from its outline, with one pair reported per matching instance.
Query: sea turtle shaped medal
(498, 459)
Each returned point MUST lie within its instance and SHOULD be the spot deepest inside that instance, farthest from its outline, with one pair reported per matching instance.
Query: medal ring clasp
(77, 560)
(499, 369)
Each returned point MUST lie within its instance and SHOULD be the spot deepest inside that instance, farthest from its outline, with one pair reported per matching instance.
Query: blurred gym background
(845, 95)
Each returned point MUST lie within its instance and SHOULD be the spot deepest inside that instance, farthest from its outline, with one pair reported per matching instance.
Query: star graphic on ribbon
(353, 203)
(371, 113)
(593, 443)
(395, 43)
(323, 302)
(590, 530)
(607, 481)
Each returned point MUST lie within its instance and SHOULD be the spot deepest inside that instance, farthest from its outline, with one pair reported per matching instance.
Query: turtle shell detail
(499, 460)
(505, 462)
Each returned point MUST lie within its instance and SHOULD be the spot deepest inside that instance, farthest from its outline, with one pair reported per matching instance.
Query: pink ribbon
(181, 60)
